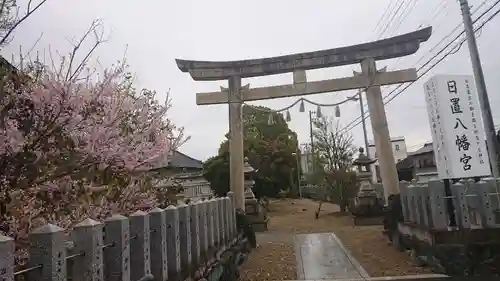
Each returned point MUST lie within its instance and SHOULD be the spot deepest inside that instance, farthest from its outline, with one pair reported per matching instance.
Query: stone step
(423, 277)
(321, 256)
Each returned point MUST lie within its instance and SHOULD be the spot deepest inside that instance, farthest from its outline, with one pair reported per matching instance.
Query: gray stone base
(368, 220)
(258, 224)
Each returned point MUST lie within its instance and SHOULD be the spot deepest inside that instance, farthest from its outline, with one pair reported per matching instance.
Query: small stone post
(232, 214)
(87, 238)
(173, 244)
(117, 251)
(48, 251)
(210, 224)
(194, 209)
(227, 228)
(140, 264)
(158, 244)
(203, 229)
(7, 248)
(222, 226)
(216, 212)
(185, 238)
(458, 191)
(483, 189)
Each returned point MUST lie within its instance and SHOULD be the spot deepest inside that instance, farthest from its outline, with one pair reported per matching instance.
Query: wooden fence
(162, 244)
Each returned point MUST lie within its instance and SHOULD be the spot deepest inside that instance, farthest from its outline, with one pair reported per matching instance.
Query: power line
(442, 40)
(437, 9)
(392, 18)
(428, 62)
(382, 16)
(438, 13)
(450, 43)
(404, 14)
(451, 33)
(435, 28)
(380, 25)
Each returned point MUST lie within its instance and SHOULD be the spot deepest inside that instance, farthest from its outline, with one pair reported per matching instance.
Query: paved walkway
(322, 256)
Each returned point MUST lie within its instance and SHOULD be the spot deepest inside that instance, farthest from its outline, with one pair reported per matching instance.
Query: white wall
(398, 148)
(305, 162)
(197, 190)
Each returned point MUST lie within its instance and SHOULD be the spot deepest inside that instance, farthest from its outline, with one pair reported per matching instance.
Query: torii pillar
(371, 79)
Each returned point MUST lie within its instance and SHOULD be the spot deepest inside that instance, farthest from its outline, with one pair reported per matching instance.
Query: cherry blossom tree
(74, 144)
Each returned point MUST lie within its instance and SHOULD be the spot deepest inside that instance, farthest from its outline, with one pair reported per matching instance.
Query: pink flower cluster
(107, 124)
(60, 139)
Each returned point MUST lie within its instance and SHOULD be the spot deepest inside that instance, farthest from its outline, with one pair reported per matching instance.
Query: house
(405, 169)
(399, 150)
(179, 168)
(419, 165)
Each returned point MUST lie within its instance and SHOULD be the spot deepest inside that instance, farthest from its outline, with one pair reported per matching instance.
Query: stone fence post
(164, 244)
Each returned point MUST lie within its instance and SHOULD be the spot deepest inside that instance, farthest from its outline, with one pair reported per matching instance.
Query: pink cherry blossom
(74, 149)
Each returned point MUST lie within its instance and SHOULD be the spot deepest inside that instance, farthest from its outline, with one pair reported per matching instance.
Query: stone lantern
(362, 164)
(255, 212)
(367, 202)
(249, 172)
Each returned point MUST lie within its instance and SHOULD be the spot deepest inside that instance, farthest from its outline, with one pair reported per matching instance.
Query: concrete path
(322, 256)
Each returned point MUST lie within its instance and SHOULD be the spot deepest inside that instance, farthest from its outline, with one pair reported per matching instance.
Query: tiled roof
(177, 159)
(406, 163)
(425, 149)
(181, 160)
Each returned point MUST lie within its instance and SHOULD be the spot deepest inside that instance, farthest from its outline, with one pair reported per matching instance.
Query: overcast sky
(156, 32)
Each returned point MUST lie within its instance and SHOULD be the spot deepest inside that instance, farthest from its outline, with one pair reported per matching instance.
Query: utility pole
(365, 134)
(298, 172)
(484, 101)
(312, 140)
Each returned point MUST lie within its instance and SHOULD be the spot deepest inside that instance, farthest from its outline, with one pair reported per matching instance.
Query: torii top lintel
(389, 48)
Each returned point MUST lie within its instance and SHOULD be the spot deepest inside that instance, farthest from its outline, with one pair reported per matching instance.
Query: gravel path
(274, 258)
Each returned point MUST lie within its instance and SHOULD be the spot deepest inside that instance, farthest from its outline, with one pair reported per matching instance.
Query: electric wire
(392, 18)
(454, 50)
(435, 28)
(398, 16)
(347, 129)
(442, 50)
(380, 24)
(407, 11)
(437, 9)
(442, 39)
(450, 34)
(382, 16)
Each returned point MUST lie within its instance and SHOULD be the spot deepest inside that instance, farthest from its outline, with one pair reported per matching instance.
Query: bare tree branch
(333, 147)
(71, 74)
(18, 21)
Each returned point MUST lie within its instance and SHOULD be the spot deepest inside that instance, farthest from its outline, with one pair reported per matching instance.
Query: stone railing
(185, 241)
(475, 203)
(454, 231)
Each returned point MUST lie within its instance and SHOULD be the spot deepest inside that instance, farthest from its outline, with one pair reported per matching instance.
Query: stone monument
(368, 205)
(254, 210)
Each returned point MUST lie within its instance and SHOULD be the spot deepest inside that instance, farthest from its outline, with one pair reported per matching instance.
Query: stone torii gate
(370, 78)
